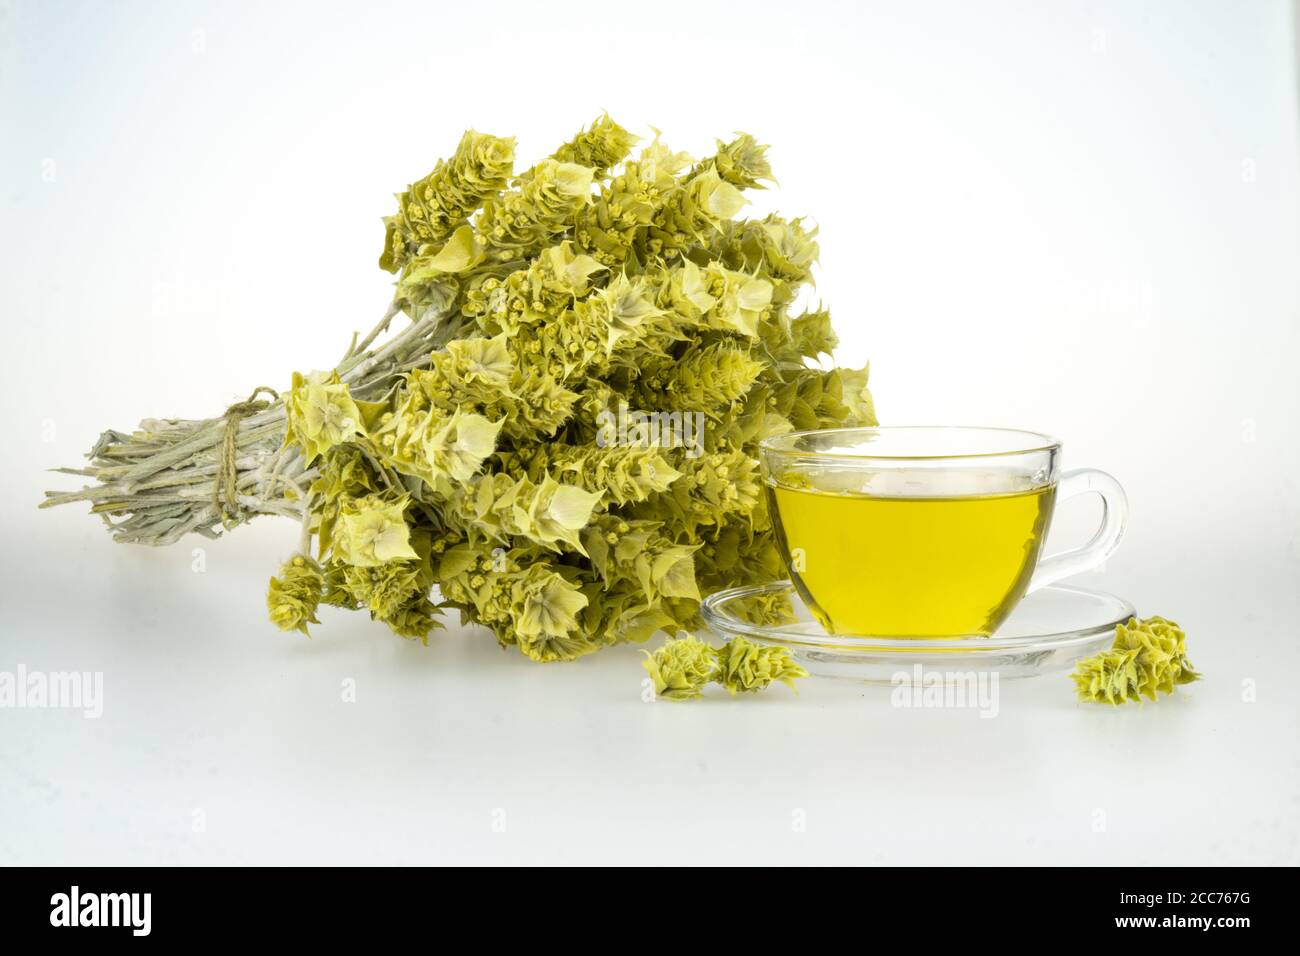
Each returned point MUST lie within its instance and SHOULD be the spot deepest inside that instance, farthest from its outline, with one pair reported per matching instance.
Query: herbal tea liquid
(911, 567)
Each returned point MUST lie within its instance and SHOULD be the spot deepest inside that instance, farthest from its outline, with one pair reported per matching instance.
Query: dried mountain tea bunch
(560, 444)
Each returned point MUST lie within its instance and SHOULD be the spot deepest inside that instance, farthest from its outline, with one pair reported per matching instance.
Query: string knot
(226, 485)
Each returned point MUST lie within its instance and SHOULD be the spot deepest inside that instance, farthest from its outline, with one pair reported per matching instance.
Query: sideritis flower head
(681, 668)
(744, 666)
(293, 597)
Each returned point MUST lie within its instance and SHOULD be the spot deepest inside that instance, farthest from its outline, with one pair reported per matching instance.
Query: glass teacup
(925, 531)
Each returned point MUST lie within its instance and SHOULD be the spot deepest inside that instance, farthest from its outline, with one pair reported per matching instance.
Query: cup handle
(1103, 544)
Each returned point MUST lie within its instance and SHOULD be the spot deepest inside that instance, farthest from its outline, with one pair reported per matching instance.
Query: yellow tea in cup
(903, 567)
(920, 532)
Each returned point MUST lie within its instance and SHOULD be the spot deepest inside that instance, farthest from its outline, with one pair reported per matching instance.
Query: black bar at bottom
(331, 906)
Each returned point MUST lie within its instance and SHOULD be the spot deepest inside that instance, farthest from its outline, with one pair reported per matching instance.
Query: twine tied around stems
(227, 473)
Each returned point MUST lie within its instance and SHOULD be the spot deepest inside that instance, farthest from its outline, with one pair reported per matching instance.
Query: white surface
(1078, 218)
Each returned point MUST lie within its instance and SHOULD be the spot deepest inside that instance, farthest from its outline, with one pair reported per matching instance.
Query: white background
(1080, 218)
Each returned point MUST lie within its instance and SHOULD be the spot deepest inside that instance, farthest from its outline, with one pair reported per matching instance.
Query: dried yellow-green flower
(681, 668)
(743, 162)
(744, 666)
(1149, 657)
(1110, 677)
(544, 607)
(556, 513)
(321, 414)
(414, 620)
(1162, 653)
(292, 598)
(430, 444)
(432, 209)
(601, 146)
(539, 210)
(372, 532)
(384, 589)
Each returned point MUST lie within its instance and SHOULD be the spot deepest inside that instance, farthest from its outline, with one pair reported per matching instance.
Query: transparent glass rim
(785, 444)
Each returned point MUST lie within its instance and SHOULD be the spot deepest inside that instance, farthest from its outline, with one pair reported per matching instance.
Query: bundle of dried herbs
(559, 442)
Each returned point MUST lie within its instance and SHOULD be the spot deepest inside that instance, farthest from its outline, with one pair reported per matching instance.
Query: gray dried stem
(155, 485)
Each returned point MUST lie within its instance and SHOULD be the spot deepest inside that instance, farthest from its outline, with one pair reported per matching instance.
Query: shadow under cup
(924, 532)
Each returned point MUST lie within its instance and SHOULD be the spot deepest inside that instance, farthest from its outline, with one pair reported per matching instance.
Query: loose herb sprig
(680, 669)
(462, 457)
(1148, 658)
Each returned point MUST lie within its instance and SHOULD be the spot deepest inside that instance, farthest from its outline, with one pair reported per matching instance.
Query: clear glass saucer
(1048, 632)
